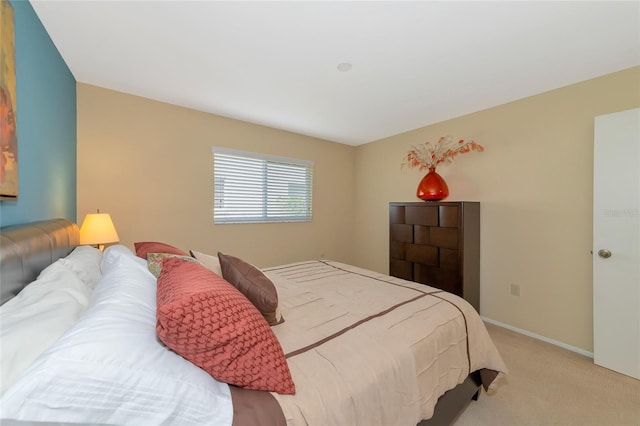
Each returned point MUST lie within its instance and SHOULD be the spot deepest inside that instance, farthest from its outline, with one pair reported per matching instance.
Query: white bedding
(33, 320)
(110, 368)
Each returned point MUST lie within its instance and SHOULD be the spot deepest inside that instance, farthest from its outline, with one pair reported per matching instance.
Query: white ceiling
(275, 63)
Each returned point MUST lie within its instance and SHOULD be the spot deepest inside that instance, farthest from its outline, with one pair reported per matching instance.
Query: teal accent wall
(46, 125)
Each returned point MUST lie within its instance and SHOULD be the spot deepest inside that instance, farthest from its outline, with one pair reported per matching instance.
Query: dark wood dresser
(437, 243)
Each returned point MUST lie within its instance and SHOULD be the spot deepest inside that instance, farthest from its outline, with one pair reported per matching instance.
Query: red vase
(432, 187)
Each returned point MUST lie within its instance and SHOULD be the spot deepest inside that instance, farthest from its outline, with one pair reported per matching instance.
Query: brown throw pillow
(254, 285)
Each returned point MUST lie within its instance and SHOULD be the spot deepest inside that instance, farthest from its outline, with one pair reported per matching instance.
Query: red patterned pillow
(144, 248)
(210, 323)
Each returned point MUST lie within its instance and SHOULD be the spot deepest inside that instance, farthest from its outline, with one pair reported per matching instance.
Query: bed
(358, 347)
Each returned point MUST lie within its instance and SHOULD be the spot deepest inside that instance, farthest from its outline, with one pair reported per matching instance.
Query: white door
(616, 242)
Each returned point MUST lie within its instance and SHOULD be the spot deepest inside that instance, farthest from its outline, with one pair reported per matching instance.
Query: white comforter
(363, 349)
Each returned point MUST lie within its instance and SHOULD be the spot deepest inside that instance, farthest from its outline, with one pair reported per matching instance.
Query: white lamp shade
(97, 228)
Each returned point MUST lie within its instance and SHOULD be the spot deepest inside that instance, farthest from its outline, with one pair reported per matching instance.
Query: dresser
(437, 243)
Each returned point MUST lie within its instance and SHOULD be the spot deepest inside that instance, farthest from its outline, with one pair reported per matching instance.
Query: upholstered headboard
(27, 249)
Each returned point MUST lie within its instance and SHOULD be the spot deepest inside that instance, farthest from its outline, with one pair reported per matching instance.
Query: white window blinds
(251, 187)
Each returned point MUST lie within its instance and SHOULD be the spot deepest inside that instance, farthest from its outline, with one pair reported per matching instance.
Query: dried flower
(427, 155)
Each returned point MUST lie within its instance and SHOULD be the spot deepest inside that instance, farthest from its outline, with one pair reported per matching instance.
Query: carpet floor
(548, 385)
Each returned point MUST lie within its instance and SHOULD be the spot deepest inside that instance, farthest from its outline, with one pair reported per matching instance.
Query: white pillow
(110, 368)
(211, 262)
(85, 262)
(34, 319)
(112, 255)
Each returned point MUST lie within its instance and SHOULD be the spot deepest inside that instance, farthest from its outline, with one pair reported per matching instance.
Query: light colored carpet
(548, 385)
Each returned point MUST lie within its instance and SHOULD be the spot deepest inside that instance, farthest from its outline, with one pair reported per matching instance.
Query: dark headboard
(27, 249)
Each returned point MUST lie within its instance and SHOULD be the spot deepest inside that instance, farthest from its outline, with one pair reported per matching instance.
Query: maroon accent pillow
(253, 284)
(209, 322)
(144, 248)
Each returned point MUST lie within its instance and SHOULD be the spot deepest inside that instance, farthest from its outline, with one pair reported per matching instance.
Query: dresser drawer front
(443, 237)
(427, 216)
(402, 233)
(401, 269)
(417, 253)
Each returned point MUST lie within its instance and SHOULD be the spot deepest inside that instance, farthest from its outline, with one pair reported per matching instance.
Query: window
(251, 187)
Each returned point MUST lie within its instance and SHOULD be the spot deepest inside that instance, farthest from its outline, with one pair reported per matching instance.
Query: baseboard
(539, 337)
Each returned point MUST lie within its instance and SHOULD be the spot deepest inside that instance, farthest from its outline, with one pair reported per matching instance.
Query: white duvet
(110, 368)
(33, 320)
(387, 349)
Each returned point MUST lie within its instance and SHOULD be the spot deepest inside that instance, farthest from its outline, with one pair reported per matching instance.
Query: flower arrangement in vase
(427, 156)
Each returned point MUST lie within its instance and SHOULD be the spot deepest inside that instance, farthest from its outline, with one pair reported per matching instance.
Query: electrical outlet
(515, 290)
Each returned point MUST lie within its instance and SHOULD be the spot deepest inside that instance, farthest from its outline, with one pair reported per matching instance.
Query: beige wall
(534, 182)
(149, 165)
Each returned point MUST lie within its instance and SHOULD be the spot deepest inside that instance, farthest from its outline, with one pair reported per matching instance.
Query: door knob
(605, 254)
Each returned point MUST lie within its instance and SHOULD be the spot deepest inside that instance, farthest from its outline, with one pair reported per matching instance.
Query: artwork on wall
(8, 130)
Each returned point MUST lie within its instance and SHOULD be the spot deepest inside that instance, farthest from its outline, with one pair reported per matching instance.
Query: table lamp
(97, 229)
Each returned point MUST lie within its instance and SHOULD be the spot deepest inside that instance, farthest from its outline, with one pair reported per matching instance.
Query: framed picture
(8, 128)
